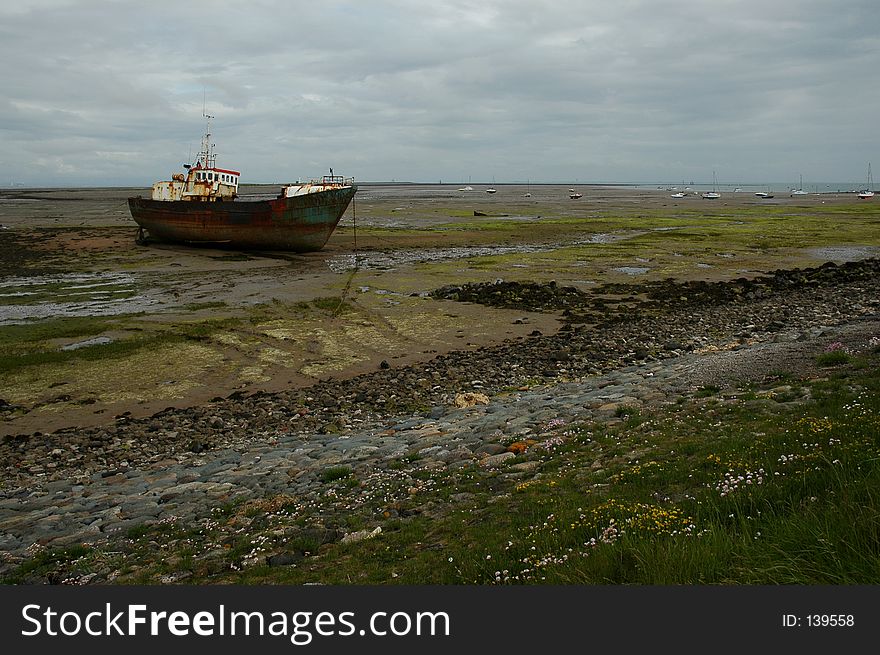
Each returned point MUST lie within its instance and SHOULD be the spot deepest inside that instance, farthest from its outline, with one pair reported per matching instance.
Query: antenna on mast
(207, 154)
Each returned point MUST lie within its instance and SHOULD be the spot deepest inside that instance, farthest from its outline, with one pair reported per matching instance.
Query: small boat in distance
(800, 190)
(574, 195)
(466, 188)
(713, 194)
(763, 194)
(204, 206)
(680, 194)
(868, 192)
(528, 193)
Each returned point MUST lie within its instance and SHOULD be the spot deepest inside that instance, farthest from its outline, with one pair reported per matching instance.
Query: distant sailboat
(528, 193)
(868, 192)
(800, 190)
(492, 188)
(713, 194)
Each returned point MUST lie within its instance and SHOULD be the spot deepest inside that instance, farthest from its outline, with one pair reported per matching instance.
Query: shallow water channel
(24, 299)
(392, 260)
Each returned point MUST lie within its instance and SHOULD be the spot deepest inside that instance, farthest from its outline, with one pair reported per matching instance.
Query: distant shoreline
(777, 187)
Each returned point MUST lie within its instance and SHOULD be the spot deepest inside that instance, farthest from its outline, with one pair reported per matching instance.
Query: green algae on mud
(742, 240)
(160, 360)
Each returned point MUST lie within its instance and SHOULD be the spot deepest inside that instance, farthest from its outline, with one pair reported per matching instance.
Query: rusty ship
(203, 206)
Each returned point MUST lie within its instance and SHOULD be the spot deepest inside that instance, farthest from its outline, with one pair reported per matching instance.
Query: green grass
(833, 358)
(708, 390)
(335, 473)
(48, 563)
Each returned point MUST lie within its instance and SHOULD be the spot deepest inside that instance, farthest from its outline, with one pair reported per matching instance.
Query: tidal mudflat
(437, 339)
(213, 322)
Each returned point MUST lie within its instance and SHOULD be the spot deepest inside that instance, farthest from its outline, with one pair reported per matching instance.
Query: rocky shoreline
(621, 346)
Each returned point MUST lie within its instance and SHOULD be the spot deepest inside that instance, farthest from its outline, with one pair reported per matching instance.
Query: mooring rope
(344, 295)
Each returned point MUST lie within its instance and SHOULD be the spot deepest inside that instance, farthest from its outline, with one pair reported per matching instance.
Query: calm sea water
(772, 187)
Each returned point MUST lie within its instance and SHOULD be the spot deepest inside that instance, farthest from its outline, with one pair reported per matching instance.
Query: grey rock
(495, 461)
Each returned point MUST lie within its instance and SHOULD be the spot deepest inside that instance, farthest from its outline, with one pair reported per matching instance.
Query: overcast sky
(111, 93)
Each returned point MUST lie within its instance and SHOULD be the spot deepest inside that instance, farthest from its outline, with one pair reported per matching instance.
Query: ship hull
(301, 223)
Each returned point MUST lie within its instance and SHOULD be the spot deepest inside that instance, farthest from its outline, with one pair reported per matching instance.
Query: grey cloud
(112, 93)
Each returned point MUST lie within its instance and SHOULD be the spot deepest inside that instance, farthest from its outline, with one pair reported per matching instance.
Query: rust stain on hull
(300, 223)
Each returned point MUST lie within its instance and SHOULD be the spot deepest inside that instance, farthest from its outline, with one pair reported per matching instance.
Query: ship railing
(335, 180)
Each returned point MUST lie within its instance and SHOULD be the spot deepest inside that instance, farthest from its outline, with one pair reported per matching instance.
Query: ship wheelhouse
(216, 176)
(203, 182)
(211, 183)
(200, 184)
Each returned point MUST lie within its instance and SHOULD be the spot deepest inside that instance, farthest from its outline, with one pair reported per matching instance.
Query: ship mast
(207, 154)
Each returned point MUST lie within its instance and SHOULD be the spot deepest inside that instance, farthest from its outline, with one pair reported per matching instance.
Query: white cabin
(200, 184)
(203, 181)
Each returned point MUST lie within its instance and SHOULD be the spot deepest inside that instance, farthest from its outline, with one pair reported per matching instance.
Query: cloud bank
(111, 93)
